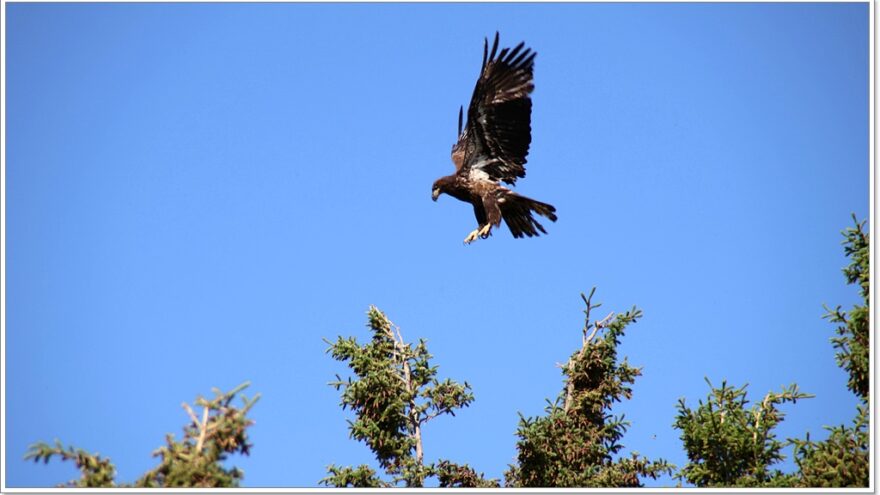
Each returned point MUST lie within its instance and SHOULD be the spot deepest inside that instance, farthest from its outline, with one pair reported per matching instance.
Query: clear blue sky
(198, 193)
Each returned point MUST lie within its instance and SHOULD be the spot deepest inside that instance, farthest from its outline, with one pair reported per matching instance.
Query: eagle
(492, 147)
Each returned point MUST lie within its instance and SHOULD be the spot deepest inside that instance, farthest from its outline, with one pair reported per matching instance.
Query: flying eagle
(493, 146)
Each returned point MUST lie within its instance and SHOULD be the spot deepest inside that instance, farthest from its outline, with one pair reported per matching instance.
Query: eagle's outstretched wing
(496, 140)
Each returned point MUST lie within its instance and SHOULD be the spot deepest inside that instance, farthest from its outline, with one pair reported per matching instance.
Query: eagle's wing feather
(496, 140)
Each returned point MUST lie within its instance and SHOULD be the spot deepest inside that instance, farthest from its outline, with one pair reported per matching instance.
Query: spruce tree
(196, 461)
(577, 443)
(843, 459)
(394, 393)
(729, 444)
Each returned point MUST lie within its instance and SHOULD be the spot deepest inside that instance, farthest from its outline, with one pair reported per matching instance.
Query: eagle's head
(438, 188)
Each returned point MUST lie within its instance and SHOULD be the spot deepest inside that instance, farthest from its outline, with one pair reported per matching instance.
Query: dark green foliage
(729, 444)
(575, 444)
(393, 394)
(842, 460)
(194, 462)
(96, 472)
(197, 460)
(852, 341)
(452, 475)
(362, 476)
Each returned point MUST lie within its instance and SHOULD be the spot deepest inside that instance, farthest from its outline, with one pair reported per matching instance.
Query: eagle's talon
(486, 231)
(472, 236)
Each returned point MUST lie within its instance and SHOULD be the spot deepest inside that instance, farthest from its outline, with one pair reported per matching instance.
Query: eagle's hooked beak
(435, 193)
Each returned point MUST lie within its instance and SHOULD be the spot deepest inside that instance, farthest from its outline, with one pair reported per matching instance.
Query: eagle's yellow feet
(472, 236)
(482, 232)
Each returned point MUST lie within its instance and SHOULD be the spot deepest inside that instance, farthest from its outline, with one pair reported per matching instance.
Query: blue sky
(198, 193)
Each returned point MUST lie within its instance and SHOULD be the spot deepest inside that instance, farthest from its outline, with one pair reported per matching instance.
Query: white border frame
(871, 222)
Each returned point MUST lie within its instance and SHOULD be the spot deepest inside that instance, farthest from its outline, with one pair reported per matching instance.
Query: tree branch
(415, 421)
(203, 426)
(587, 339)
(192, 414)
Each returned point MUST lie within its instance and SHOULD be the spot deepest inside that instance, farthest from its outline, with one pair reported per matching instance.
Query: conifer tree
(729, 444)
(196, 461)
(853, 332)
(578, 441)
(394, 393)
(843, 459)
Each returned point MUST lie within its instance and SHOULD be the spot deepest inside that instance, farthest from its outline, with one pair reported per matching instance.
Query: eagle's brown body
(493, 146)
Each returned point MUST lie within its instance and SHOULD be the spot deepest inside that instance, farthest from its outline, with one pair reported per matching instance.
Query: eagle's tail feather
(517, 212)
